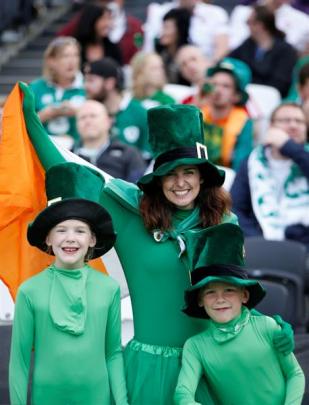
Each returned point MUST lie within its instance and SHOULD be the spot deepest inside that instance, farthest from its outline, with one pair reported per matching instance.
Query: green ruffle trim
(165, 351)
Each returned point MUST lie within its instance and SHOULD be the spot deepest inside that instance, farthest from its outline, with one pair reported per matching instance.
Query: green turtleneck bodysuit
(71, 318)
(240, 365)
(157, 278)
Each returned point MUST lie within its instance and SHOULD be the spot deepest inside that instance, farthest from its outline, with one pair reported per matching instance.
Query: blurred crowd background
(96, 67)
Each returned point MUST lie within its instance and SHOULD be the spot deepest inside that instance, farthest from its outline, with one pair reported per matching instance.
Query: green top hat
(239, 70)
(176, 136)
(216, 254)
(73, 192)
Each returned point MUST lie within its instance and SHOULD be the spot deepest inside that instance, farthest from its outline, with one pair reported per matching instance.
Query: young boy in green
(235, 353)
(69, 313)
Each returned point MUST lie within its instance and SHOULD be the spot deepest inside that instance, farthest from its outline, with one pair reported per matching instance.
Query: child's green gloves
(284, 338)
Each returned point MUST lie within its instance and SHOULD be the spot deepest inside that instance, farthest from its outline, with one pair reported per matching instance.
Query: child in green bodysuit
(235, 353)
(69, 313)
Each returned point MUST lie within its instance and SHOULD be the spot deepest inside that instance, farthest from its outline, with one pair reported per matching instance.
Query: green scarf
(224, 332)
(274, 214)
(68, 299)
(128, 195)
(183, 221)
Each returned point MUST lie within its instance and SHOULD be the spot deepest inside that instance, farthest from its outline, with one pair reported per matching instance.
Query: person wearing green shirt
(183, 192)
(60, 91)
(149, 80)
(235, 352)
(104, 82)
(69, 313)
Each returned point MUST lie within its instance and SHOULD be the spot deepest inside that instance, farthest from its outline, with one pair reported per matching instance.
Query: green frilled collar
(223, 332)
(68, 299)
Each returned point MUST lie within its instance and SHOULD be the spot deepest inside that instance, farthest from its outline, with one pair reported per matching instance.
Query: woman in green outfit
(235, 352)
(69, 313)
(150, 221)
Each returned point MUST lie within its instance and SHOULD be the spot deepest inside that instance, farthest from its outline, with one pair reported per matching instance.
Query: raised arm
(45, 149)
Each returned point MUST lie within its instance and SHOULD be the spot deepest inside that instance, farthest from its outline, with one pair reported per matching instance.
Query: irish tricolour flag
(23, 163)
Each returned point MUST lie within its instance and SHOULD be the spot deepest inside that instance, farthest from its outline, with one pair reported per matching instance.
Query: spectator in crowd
(104, 83)
(270, 192)
(174, 34)
(228, 129)
(303, 89)
(269, 56)
(115, 158)
(149, 79)
(193, 65)
(294, 23)
(92, 32)
(60, 91)
(126, 30)
(208, 26)
(299, 91)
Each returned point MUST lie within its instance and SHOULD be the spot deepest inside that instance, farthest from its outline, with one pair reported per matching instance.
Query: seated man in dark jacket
(270, 58)
(271, 189)
(115, 158)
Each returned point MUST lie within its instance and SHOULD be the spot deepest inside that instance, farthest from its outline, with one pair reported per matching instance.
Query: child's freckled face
(70, 241)
(223, 301)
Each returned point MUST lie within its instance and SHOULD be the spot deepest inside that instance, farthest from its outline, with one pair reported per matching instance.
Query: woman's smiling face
(182, 185)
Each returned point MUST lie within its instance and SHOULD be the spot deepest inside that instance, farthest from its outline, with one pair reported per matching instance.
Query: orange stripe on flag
(22, 196)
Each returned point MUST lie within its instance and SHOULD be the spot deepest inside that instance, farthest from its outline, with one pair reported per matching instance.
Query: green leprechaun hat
(216, 254)
(73, 192)
(176, 136)
(239, 70)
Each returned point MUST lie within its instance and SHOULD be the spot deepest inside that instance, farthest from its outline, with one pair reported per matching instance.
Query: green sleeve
(114, 358)
(189, 376)
(244, 144)
(44, 147)
(294, 376)
(295, 379)
(21, 347)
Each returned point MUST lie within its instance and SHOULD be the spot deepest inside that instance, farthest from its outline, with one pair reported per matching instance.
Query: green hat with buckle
(216, 254)
(239, 70)
(176, 136)
(73, 192)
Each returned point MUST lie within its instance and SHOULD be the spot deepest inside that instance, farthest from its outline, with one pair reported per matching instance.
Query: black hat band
(179, 153)
(219, 270)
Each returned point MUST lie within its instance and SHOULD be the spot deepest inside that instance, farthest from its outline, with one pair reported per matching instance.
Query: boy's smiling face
(223, 301)
(70, 241)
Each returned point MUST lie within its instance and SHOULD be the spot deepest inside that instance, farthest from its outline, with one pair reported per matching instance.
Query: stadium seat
(280, 265)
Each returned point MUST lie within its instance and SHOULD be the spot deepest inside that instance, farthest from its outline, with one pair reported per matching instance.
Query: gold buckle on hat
(53, 201)
(201, 151)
